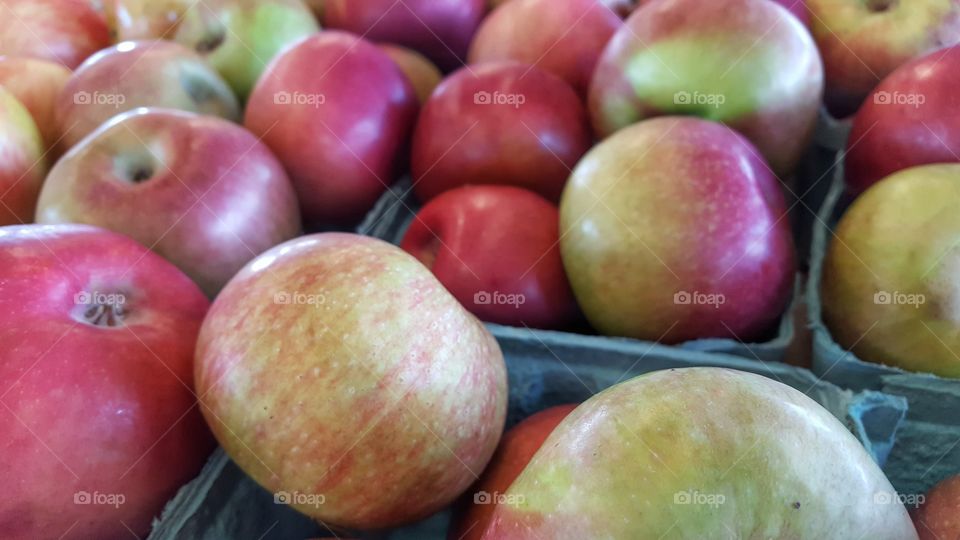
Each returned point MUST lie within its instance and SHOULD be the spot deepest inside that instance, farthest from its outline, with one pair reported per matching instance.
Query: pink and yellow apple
(99, 421)
(440, 29)
(23, 166)
(336, 369)
(36, 84)
(495, 248)
(202, 192)
(697, 453)
(63, 31)
(338, 112)
(891, 278)
(674, 229)
(939, 517)
(565, 38)
(912, 118)
(746, 63)
(499, 123)
(140, 74)
(422, 74)
(863, 41)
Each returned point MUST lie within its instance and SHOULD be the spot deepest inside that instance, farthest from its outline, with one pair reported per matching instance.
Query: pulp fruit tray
(547, 369)
(928, 446)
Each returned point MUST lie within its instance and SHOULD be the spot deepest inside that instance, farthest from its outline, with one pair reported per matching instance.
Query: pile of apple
(617, 162)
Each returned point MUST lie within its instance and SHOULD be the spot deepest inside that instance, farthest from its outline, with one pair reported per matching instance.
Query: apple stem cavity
(107, 315)
(880, 6)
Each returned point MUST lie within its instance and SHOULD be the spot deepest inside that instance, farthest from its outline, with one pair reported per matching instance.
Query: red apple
(23, 166)
(565, 39)
(202, 192)
(140, 74)
(745, 63)
(798, 8)
(939, 517)
(495, 248)
(64, 31)
(499, 123)
(337, 372)
(422, 74)
(99, 421)
(516, 449)
(337, 112)
(440, 29)
(620, 7)
(674, 229)
(863, 41)
(912, 118)
(36, 84)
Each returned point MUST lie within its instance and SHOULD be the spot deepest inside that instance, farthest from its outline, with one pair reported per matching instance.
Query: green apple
(701, 453)
(891, 277)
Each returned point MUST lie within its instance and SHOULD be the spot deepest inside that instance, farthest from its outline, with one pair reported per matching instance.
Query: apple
(495, 249)
(745, 63)
(99, 421)
(499, 123)
(422, 74)
(137, 74)
(440, 29)
(23, 166)
(891, 278)
(337, 112)
(36, 84)
(674, 229)
(687, 453)
(202, 192)
(939, 517)
(63, 31)
(798, 8)
(565, 39)
(337, 370)
(620, 7)
(912, 118)
(132, 20)
(863, 41)
(516, 448)
(239, 37)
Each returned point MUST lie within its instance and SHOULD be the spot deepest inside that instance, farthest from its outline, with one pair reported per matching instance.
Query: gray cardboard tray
(928, 449)
(393, 213)
(545, 369)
